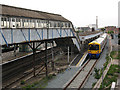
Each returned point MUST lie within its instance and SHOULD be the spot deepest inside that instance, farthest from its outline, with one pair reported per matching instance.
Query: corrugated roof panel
(15, 11)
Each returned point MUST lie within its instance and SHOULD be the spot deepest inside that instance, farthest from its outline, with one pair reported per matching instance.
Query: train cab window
(93, 47)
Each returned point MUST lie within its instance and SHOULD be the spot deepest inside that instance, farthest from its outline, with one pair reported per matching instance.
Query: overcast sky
(80, 12)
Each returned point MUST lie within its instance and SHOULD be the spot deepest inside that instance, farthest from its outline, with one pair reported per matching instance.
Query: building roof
(22, 12)
(110, 27)
(84, 28)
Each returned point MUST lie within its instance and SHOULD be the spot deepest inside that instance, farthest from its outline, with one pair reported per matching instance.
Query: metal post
(68, 54)
(52, 57)
(34, 51)
(15, 50)
(46, 59)
(0, 67)
(71, 51)
(11, 35)
(52, 33)
(29, 35)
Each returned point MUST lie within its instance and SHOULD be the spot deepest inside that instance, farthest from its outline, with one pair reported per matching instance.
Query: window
(58, 24)
(55, 24)
(37, 21)
(8, 19)
(13, 20)
(2, 19)
(5, 19)
(93, 47)
(7, 22)
(27, 20)
(65, 24)
(17, 20)
(50, 24)
(34, 21)
(23, 22)
(61, 24)
(68, 24)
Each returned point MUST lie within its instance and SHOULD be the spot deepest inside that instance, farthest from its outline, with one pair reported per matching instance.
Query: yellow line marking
(81, 59)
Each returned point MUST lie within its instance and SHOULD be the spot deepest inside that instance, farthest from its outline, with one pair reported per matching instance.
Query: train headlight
(97, 51)
(89, 51)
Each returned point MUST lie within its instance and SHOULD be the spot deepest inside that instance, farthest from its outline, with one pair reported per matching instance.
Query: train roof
(99, 40)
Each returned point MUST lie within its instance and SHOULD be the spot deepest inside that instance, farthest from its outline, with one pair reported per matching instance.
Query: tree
(102, 29)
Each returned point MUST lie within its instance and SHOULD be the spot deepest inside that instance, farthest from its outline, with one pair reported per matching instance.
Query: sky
(80, 12)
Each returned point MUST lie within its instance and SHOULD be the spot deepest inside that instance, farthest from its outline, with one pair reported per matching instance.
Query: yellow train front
(96, 46)
(94, 50)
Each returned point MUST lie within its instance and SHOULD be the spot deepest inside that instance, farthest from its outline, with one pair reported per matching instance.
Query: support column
(68, 54)
(34, 52)
(68, 51)
(0, 67)
(46, 59)
(71, 51)
(52, 64)
(15, 50)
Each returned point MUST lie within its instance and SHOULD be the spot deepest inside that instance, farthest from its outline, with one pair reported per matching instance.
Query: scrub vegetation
(39, 84)
(115, 54)
(99, 72)
(111, 76)
(110, 32)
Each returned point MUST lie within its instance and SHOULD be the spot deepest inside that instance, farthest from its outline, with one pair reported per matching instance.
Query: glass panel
(93, 47)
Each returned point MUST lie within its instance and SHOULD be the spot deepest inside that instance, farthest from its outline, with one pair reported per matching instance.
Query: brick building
(112, 28)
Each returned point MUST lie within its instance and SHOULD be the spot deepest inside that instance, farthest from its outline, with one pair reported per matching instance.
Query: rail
(72, 81)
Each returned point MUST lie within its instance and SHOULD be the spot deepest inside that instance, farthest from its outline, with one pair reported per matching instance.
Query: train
(96, 47)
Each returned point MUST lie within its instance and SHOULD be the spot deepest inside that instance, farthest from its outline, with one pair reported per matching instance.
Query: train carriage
(96, 46)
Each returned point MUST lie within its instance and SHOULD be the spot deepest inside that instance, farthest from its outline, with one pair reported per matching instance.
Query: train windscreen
(93, 47)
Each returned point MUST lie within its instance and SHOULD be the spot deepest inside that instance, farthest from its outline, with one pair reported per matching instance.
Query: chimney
(96, 22)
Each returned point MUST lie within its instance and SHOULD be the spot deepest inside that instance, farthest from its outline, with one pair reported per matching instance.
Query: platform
(79, 59)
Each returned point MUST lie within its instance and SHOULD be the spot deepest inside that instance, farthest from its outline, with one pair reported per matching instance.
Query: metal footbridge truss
(11, 36)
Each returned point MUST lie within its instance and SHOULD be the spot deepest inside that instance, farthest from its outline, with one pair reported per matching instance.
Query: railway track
(14, 69)
(23, 77)
(82, 75)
